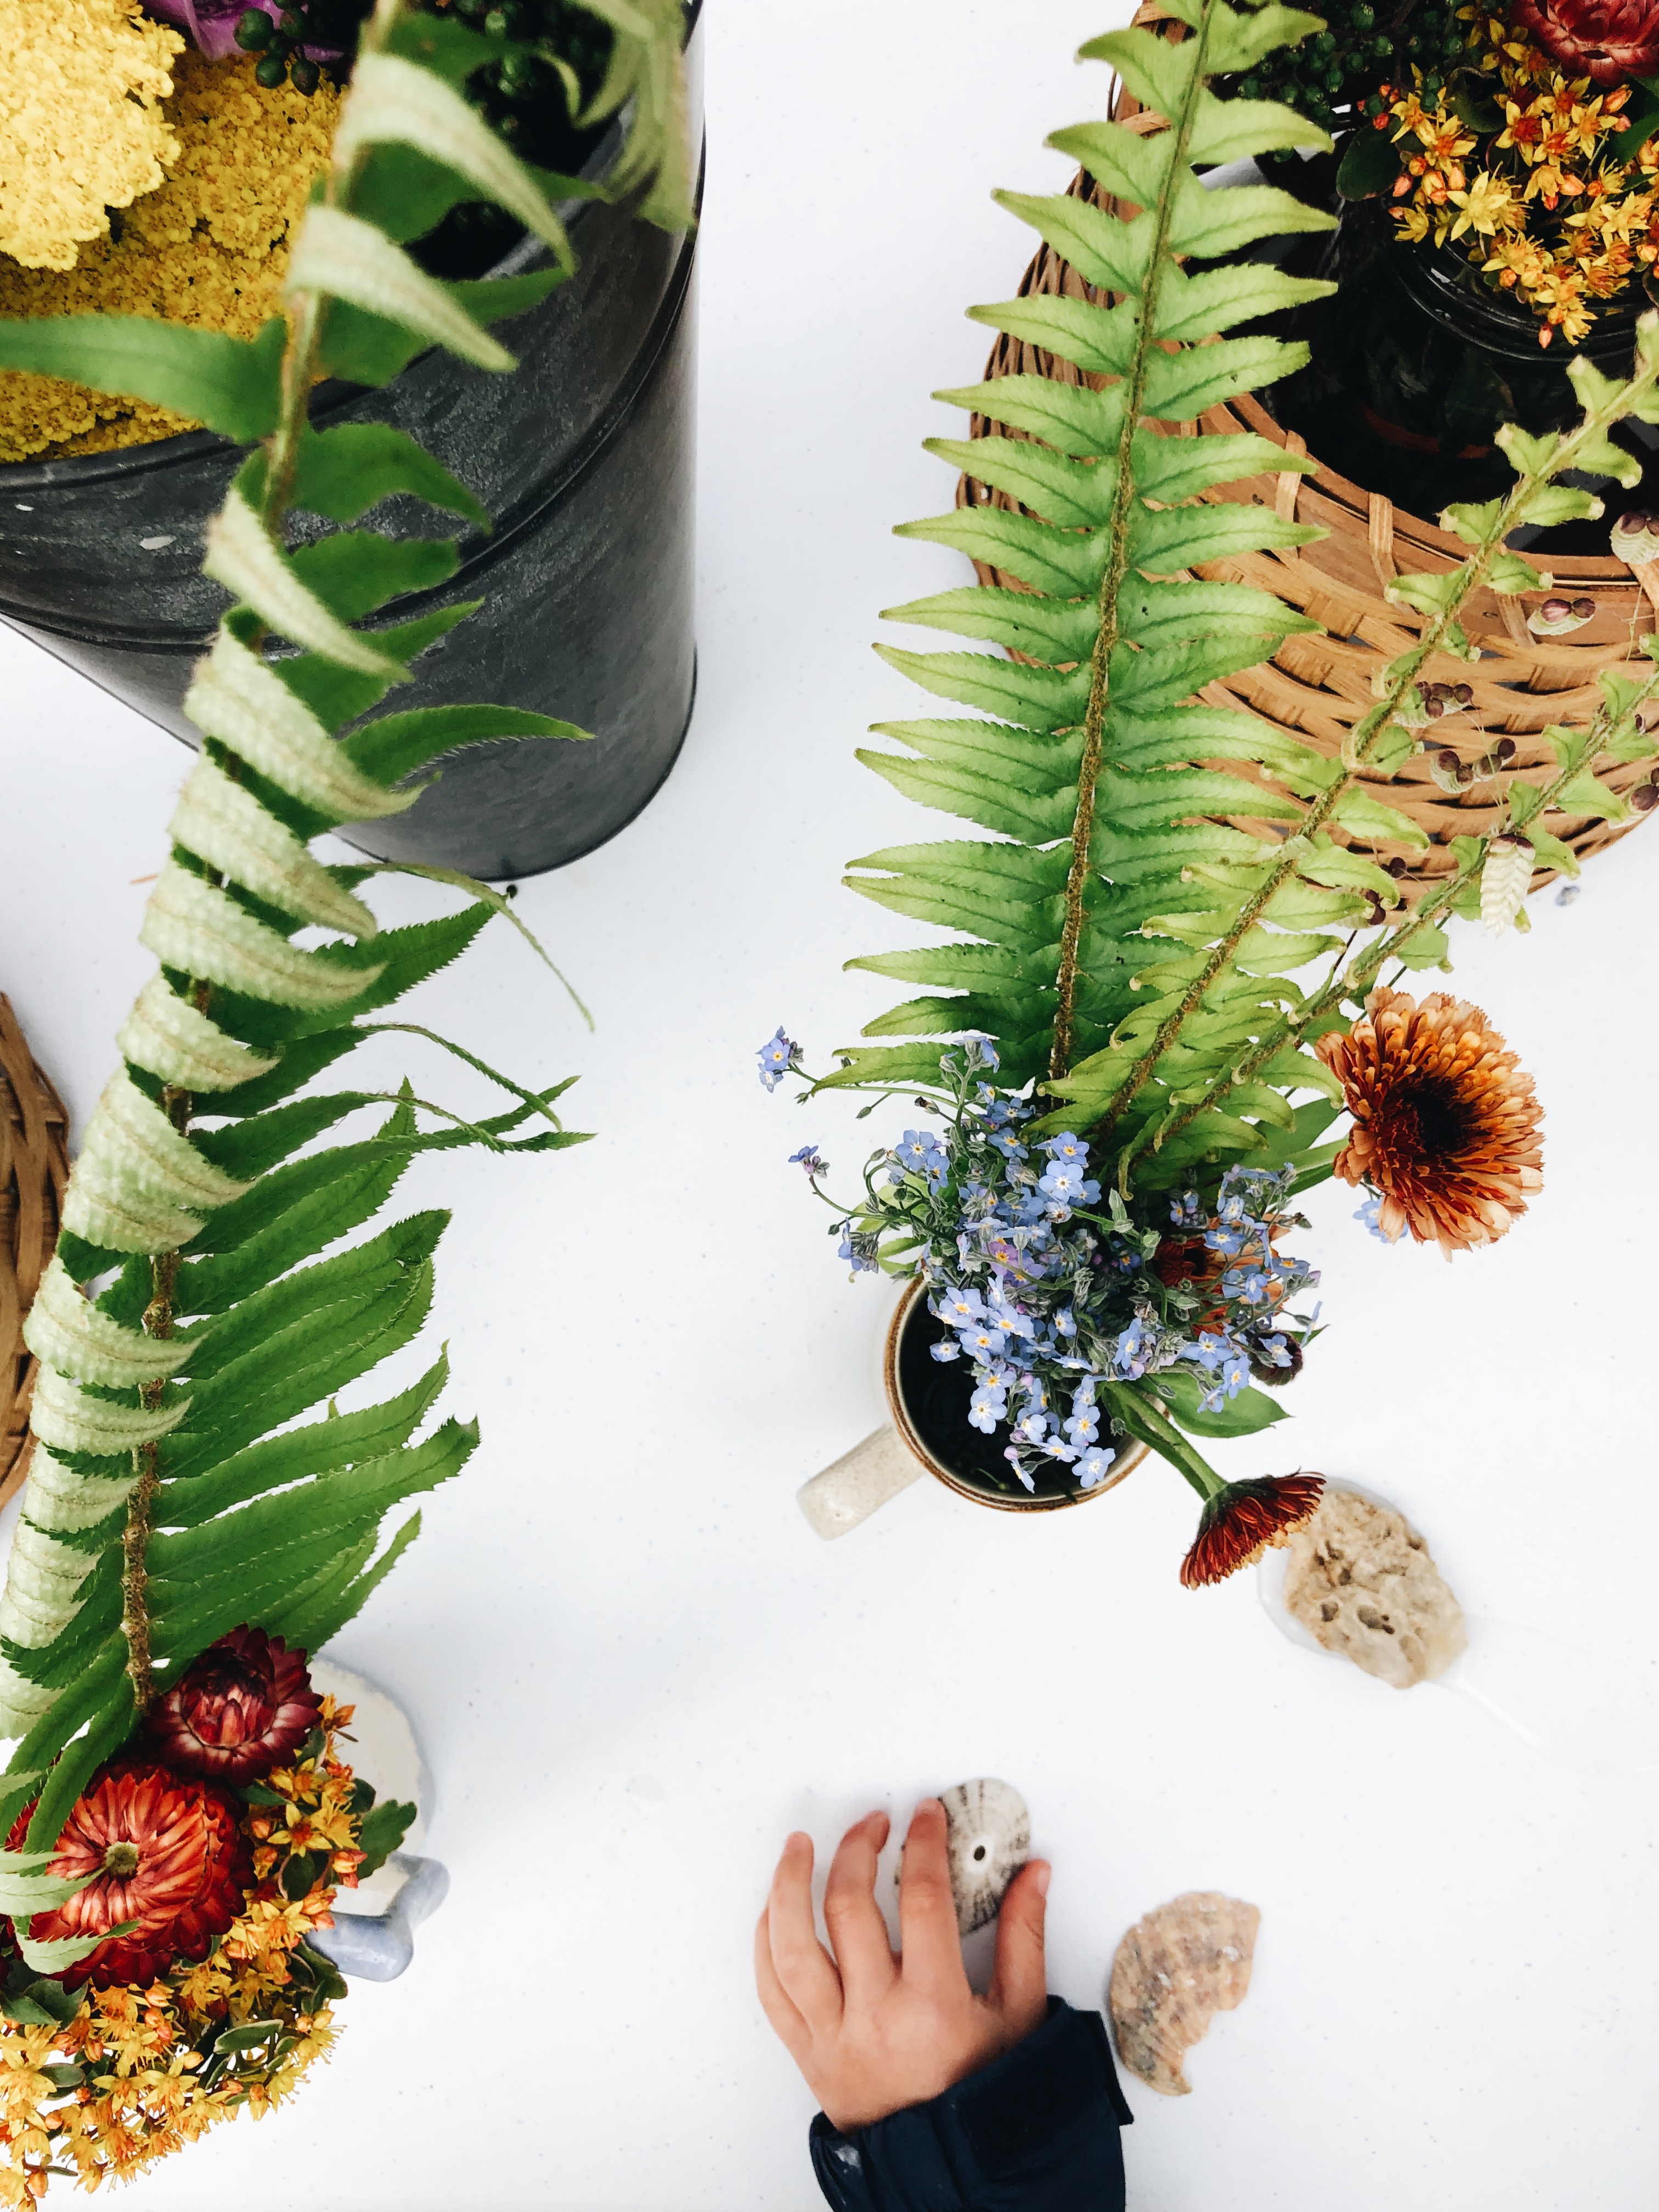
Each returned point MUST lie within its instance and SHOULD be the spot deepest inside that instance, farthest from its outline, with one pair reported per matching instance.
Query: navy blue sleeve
(1037, 2131)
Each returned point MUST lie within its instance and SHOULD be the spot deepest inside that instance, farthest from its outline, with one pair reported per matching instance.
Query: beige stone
(1361, 1581)
(1174, 1972)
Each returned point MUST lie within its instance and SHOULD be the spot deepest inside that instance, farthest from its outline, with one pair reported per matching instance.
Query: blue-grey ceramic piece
(377, 1947)
(583, 458)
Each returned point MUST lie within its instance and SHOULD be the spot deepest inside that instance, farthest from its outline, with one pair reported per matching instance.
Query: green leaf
(395, 745)
(1585, 793)
(232, 385)
(366, 348)
(1429, 948)
(352, 572)
(45, 2003)
(336, 694)
(316, 1618)
(57, 1958)
(1245, 1415)
(307, 1363)
(342, 1440)
(252, 2035)
(382, 1833)
(1368, 166)
(74, 1768)
(343, 473)
(1548, 849)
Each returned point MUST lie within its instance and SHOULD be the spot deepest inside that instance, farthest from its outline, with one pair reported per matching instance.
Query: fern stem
(1431, 640)
(1111, 583)
(134, 1579)
(1354, 980)
(135, 1537)
(300, 362)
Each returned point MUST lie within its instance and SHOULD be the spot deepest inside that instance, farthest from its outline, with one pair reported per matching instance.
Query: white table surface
(633, 1667)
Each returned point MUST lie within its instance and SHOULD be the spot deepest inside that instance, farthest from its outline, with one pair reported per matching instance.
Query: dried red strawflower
(167, 1852)
(238, 1710)
(1445, 1124)
(1238, 1524)
(1605, 39)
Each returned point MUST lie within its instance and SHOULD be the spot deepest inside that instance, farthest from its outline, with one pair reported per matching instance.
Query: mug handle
(852, 1488)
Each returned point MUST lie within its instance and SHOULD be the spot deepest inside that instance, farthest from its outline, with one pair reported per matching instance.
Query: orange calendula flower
(1241, 1521)
(1445, 1123)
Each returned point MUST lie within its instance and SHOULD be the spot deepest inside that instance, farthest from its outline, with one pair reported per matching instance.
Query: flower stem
(1079, 874)
(1353, 982)
(1431, 639)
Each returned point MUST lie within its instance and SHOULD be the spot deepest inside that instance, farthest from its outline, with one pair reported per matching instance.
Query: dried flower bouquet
(1166, 985)
(180, 1809)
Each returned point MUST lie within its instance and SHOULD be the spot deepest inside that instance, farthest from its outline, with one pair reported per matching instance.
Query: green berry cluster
(525, 96)
(532, 96)
(1360, 49)
(280, 41)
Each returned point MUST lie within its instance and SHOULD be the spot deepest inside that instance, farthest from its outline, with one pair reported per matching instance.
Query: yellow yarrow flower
(81, 126)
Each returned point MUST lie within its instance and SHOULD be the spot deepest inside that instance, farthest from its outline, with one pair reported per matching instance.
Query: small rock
(1174, 1972)
(1364, 1581)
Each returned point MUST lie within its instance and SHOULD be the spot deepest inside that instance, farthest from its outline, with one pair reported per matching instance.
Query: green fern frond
(204, 1296)
(1102, 772)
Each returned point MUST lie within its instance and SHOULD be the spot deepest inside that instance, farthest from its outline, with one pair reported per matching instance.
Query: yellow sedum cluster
(1547, 207)
(210, 246)
(137, 2050)
(81, 126)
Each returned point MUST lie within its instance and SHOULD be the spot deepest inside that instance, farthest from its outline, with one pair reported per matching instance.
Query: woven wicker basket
(1319, 687)
(33, 1169)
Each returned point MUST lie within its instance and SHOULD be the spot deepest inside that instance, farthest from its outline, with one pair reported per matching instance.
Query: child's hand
(873, 2031)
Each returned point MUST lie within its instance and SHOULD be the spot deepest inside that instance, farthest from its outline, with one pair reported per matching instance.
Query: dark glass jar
(1415, 363)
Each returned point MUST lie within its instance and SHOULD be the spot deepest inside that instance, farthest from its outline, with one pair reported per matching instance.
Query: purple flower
(958, 1307)
(1368, 1213)
(1084, 1426)
(778, 1057)
(212, 23)
(1134, 1351)
(1064, 1184)
(987, 1407)
(807, 1157)
(1092, 1466)
(860, 1246)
